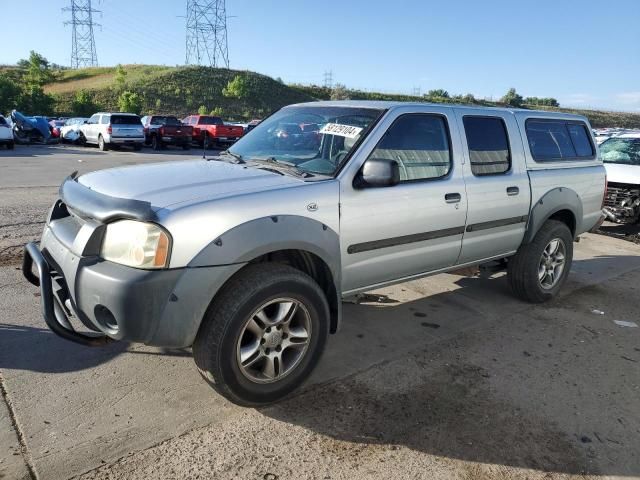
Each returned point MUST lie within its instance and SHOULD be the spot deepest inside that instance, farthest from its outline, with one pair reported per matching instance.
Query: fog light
(106, 319)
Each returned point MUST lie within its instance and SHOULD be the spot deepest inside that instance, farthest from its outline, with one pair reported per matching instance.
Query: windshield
(621, 150)
(314, 139)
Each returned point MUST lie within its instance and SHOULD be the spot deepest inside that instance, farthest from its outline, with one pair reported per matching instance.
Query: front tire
(263, 334)
(539, 269)
(10, 146)
(156, 144)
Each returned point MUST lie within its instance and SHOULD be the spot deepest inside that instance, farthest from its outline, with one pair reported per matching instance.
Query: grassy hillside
(175, 90)
(182, 90)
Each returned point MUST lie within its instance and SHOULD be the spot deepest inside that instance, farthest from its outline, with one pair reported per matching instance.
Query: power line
(83, 45)
(206, 39)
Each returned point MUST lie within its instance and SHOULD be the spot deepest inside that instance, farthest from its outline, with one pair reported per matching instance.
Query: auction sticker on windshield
(348, 131)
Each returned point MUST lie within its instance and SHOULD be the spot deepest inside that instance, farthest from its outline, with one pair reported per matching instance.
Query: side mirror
(378, 172)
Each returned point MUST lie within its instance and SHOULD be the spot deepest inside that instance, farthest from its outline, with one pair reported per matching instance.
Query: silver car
(247, 256)
(106, 129)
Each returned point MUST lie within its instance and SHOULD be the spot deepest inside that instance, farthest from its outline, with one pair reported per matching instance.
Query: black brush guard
(63, 327)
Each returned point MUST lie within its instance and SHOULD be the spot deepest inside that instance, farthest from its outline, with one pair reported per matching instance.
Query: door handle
(452, 197)
(511, 191)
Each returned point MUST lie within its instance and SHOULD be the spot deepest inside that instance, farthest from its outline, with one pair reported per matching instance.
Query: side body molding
(555, 200)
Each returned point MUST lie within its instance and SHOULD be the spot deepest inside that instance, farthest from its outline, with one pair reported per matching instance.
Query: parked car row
(114, 129)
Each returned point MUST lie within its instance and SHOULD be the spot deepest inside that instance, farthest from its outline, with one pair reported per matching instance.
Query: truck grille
(622, 203)
(617, 193)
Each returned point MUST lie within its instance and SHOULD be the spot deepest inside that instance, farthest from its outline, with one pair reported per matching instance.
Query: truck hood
(170, 183)
(619, 173)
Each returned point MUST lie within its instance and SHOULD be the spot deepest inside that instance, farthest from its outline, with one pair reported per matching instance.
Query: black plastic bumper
(59, 324)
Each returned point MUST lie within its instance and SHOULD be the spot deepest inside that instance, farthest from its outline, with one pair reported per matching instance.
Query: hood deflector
(104, 208)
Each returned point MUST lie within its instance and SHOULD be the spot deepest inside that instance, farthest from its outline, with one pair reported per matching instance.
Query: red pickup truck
(216, 131)
(161, 130)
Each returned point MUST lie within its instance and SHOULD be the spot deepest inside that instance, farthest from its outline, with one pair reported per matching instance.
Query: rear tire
(10, 146)
(242, 321)
(536, 273)
(102, 144)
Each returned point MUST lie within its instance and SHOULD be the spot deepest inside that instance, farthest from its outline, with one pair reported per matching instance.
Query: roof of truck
(379, 104)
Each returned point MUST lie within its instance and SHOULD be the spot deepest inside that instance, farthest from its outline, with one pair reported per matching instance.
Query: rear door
(497, 184)
(391, 233)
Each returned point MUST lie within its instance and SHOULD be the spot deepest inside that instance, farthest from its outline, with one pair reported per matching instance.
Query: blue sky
(586, 53)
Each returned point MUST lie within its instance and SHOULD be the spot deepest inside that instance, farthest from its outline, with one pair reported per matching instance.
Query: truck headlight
(136, 244)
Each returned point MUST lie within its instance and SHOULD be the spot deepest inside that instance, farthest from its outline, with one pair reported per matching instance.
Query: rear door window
(488, 144)
(553, 140)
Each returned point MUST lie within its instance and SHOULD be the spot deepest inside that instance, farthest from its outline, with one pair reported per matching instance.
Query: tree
(437, 93)
(121, 77)
(339, 92)
(236, 88)
(130, 102)
(217, 112)
(469, 98)
(10, 93)
(83, 104)
(512, 98)
(202, 110)
(38, 71)
(549, 102)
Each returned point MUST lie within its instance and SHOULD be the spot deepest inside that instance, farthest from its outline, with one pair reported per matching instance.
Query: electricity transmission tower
(207, 33)
(83, 46)
(328, 79)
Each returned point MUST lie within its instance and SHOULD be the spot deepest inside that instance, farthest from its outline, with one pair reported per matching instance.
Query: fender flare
(262, 236)
(555, 200)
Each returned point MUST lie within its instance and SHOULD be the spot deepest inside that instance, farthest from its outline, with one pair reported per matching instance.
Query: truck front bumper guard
(57, 321)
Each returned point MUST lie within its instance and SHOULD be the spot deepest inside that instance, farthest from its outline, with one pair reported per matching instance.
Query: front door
(416, 226)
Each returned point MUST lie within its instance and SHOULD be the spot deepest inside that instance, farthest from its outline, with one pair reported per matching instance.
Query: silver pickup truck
(247, 256)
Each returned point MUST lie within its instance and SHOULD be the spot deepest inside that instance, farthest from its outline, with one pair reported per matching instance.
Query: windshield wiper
(280, 165)
(236, 157)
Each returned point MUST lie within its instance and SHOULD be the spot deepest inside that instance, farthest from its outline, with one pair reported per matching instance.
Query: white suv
(6, 133)
(106, 129)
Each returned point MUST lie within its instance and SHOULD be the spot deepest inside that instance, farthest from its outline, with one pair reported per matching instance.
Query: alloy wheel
(552, 263)
(274, 340)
